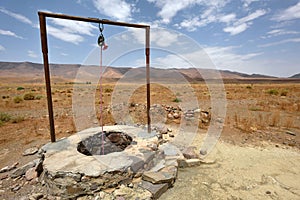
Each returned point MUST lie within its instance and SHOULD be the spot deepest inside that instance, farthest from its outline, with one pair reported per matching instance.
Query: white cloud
(227, 18)
(290, 40)
(278, 32)
(209, 57)
(191, 24)
(117, 9)
(290, 13)
(206, 18)
(226, 56)
(244, 23)
(252, 16)
(212, 14)
(234, 30)
(9, 33)
(71, 26)
(169, 8)
(17, 16)
(64, 54)
(160, 37)
(65, 36)
(69, 30)
(32, 54)
(2, 48)
(248, 2)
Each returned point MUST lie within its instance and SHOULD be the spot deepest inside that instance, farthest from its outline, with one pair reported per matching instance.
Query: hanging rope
(103, 46)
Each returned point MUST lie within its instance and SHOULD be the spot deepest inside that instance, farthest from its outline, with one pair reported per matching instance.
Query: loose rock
(183, 163)
(22, 170)
(30, 151)
(159, 177)
(36, 196)
(190, 153)
(31, 174)
(156, 189)
(8, 168)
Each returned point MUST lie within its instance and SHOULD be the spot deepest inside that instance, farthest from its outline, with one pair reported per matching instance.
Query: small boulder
(30, 151)
(22, 170)
(31, 174)
(190, 153)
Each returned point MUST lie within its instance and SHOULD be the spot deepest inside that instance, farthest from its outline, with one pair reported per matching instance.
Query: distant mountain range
(295, 76)
(33, 72)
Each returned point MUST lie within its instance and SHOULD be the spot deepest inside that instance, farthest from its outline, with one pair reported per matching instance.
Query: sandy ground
(247, 172)
(255, 157)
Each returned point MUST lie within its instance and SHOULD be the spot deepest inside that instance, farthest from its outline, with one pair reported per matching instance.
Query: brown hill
(34, 72)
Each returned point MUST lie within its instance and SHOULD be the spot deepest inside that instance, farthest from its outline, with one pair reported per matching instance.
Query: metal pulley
(101, 40)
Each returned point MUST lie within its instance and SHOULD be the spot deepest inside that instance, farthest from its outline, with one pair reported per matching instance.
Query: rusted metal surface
(148, 76)
(94, 20)
(43, 31)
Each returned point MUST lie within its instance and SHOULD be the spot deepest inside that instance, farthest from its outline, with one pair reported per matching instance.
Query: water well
(75, 165)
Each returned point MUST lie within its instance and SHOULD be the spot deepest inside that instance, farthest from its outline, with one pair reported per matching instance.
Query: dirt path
(241, 173)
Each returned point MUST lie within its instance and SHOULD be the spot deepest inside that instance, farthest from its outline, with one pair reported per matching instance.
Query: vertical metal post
(43, 32)
(148, 76)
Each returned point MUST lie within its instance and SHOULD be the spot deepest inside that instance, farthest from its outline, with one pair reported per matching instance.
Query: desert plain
(256, 157)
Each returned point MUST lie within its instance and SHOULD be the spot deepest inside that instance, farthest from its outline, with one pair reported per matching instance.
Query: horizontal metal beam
(94, 20)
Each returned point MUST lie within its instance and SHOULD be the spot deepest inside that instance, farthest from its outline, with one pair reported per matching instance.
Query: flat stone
(170, 150)
(190, 153)
(148, 155)
(163, 130)
(156, 189)
(8, 168)
(3, 176)
(132, 193)
(171, 162)
(207, 161)
(172, 171)
(15, 188)
(158, 166)
(137, 163)
(31, 174)
(22, 170)
(37, 196)
(158, 177)
(183, 163)
(30, 151)
(122, 191)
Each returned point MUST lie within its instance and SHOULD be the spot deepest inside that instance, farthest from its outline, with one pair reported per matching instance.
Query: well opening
(104, 143)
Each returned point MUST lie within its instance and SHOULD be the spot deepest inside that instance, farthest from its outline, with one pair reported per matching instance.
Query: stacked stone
(144, 170)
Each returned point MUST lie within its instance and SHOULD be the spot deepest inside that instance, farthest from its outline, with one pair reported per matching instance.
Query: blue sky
(250, 36)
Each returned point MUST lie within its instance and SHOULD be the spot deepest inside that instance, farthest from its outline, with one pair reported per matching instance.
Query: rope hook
(101, 39)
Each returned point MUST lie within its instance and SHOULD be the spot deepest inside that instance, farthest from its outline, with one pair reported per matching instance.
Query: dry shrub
(284, 105)
(18, 99)
(246, 123)
(275, 120)
(284, 93)
(273, 92)
(289, 123)
(4, 117)
(29, 96)
(17, 119)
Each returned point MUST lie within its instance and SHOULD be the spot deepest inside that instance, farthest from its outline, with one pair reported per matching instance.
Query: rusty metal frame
(43, 32)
